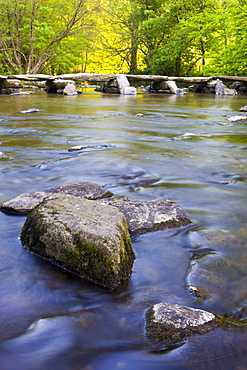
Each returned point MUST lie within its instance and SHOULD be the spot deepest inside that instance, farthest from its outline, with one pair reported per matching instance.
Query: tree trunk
(133, 53)
(32, 39)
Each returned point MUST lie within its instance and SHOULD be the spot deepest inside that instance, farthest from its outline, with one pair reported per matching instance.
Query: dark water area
(184, 149)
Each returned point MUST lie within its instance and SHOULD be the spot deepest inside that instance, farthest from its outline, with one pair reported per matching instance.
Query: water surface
(181, 148)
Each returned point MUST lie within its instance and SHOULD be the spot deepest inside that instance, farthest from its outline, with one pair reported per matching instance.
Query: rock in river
(24, 203)
(237, 118)
(168, 323)
(31, 110)
(145, 216)
(81, 236)
(243, 109)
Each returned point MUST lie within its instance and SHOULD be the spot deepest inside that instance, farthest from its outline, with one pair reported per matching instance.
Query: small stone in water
(31, 110)
(243, 109)
(237, 118)
(169, 323)
(81, 147)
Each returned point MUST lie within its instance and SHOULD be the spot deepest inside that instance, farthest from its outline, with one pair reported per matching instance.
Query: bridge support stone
(58, 85)
(124, 85)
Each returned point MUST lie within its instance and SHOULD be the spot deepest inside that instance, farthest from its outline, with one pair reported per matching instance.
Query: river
(145, 147)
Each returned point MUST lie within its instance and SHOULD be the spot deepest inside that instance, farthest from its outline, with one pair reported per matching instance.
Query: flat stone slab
(168, 323)
(145, 216)
(24, 203)
(82, 236)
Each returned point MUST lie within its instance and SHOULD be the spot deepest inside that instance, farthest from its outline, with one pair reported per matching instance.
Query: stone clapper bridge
(120, 83)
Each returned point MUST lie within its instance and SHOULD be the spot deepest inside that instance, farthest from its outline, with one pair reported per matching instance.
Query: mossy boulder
(170, 324)
(82, 236)
(24, 203)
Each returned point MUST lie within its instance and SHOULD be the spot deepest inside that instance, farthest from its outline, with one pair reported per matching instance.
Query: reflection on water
(151, 147)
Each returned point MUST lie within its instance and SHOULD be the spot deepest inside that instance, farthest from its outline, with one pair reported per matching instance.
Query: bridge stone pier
(123, 83)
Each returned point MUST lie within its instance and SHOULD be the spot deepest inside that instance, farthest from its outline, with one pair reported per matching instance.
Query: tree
(35, 31)
(120, 35)
(192, 37)
(179, 34)
(168, 37)
(123, 21)
(229, 54)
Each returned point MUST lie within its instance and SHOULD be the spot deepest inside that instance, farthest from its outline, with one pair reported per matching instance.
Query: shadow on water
(145, 147)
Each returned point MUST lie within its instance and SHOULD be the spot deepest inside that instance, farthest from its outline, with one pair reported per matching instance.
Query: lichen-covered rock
(168, 323)
(82, 236)
(145, 216)
(24, 203)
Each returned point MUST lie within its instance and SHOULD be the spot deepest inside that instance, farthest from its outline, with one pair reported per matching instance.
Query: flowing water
(146, 147)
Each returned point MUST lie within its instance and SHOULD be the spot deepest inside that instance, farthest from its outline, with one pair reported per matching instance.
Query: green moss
(89, 260)
(87, 255)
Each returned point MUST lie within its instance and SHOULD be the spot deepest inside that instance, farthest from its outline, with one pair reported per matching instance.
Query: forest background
(165, 37)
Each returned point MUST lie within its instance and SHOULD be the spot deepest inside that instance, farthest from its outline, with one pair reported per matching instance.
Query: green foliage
(34, 31)
(170, 37)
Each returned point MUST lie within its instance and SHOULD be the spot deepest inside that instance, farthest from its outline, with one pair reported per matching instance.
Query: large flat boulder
(169, 324)
(145, 216)
(81, 236)
(24, 203)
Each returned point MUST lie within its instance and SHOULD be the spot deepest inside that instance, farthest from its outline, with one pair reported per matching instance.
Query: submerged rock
(212, 278)
(207, 276)
(24, 203)
(168, 323)
(89, 147)
(81, 236)
(145, 216)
